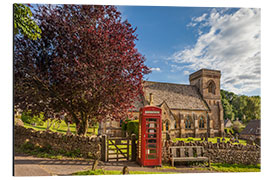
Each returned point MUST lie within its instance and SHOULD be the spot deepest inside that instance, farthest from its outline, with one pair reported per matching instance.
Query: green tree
(24, 23)
(243, 107)
(227, 107)
(253, 108)
(239, 103)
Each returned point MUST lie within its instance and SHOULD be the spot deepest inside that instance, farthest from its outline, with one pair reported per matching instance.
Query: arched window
(188, 122)
(167, 126)
(211, 87)
(201, 122)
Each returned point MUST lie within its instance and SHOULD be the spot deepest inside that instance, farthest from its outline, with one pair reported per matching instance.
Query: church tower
(208, 83)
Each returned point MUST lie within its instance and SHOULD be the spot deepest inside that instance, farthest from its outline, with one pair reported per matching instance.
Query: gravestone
(236, 137)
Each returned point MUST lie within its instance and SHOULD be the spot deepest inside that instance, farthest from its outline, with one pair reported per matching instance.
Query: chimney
(151, 101)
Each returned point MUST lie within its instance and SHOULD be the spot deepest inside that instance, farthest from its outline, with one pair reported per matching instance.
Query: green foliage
(24, 23)
(28, 118)
(243, 107)
(237, 127)
(124, 124)
(133, 127)
(235, 167)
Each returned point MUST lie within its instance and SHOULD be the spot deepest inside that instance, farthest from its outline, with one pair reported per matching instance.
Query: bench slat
(190, 152)
(182, 152)
(199, 152)
(186, 153)
(174, 152)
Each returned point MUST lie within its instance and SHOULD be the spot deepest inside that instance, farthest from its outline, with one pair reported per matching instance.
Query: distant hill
(243, 107)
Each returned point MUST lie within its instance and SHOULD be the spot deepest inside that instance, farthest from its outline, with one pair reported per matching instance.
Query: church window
(211, 87)
(167, 126)
(201, 122)
(188, 122)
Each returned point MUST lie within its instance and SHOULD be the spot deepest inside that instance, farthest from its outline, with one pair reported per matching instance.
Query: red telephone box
(149, 145)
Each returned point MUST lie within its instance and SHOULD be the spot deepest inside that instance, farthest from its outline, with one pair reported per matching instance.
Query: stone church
(193, 110)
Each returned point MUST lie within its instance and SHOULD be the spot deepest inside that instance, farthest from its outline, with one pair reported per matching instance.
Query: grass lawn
(106, 172)
(217, 167)
(235, 167)
(62, 128)
(213, 140)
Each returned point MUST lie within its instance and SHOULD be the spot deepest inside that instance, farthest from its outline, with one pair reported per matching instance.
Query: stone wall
(87, 147)
(221, 152)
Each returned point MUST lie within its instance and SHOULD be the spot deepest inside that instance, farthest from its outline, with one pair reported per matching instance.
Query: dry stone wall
(86, 146)
(221, 152)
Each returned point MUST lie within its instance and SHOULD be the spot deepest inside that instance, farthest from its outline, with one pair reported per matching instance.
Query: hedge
(131, 126)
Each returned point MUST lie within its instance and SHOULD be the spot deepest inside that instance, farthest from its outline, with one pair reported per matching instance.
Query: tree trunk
(82, 127)
(95, 164)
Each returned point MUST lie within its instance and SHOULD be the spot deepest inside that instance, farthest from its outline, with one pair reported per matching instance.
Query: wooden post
(128, 149)
(133, 147)
(104, 150)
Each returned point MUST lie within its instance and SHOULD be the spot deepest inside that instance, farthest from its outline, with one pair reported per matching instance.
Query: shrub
(124, 124)
(133, 127)
(237, 127)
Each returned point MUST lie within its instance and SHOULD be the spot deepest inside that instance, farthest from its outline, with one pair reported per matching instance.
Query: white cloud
(231, 45)
(200, 19)
(155, 69)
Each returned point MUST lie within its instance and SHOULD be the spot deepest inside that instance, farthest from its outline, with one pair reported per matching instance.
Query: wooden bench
(187, 154)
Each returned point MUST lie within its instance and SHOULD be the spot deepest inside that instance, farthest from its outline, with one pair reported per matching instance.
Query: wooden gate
(118, 148)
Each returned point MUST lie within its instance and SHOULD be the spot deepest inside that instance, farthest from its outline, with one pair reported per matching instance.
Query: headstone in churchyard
(236, 136)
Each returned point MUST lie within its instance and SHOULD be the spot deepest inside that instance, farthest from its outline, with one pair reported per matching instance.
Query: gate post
(104, 148)
(133, 147)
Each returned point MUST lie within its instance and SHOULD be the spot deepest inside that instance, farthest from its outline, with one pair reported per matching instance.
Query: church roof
(177, 96)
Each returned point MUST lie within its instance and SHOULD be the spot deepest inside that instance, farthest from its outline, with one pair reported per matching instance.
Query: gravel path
(26, 165)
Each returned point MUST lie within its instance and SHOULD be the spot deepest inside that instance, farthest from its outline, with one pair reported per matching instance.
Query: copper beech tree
(85, 65)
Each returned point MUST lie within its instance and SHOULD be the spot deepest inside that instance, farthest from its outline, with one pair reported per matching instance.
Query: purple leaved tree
(85, 65)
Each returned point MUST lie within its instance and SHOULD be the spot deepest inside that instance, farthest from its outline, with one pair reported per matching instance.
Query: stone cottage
(193, 110)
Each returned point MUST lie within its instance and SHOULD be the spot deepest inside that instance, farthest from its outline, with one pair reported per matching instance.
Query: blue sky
(177, 41)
